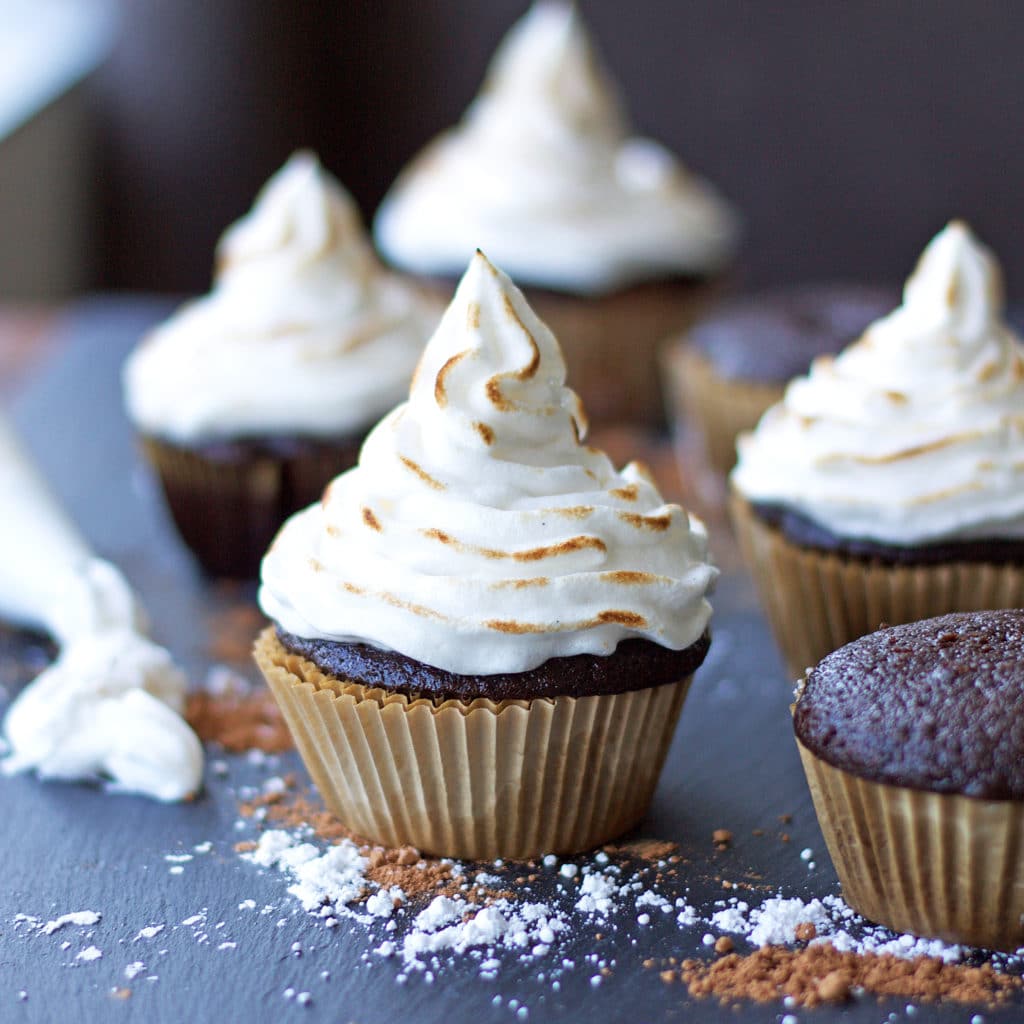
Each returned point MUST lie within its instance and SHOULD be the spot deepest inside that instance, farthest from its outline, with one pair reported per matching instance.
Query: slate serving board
(68, 847)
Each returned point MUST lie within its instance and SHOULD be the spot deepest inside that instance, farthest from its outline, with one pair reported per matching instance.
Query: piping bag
(110, 706)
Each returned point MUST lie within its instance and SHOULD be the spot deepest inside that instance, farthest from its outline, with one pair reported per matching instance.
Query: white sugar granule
(79, 917)
(596, 894)
(149, 932)
(502, 924)
(133, 970)
(89, 954)
(336, 876)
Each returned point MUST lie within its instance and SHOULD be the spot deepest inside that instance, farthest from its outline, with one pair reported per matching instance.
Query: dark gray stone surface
(69, 847)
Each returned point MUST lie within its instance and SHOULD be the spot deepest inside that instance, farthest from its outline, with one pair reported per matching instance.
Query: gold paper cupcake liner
(715, 408)
(477, 780)
(610, 342)
(229, 510)
(937, 865)
(817, 601)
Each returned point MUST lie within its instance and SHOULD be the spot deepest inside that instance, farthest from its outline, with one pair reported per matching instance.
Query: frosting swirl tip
(911, 434)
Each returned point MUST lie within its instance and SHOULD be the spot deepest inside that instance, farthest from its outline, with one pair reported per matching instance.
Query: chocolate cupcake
(888, 485)
(914, 752)
(484, 634)
(250, 399)
(732, 366)
(617, 245)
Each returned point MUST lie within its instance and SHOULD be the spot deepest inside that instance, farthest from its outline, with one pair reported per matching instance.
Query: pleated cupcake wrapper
(228, 511)
(715, 408)
(817, 601)
(610, 342)
(479, 780)
(936, 865)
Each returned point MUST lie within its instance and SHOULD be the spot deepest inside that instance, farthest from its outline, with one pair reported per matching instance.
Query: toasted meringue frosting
(478, 534)
(915, 433)
(542, 174)
(303, 333)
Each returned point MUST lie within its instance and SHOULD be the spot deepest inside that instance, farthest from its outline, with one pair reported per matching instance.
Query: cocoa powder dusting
(239, 720)
(821, 974)
(416, 874)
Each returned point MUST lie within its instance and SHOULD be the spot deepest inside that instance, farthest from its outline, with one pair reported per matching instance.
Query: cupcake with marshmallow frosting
(251, 398)
(484, 633)
(888, 485)
(611, 236)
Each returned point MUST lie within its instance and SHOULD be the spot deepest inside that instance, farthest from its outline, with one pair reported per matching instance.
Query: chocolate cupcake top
(304, 332)
(479, 534)
(914, 433)
(932, 705)
(771, 337)
(543, 174)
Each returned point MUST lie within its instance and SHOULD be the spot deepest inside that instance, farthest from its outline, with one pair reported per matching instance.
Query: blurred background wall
(847, 133)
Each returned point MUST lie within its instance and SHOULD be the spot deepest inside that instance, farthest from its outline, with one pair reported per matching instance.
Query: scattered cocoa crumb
(785, 818)
(239, 721)
(805, 931)
(668, 977)
(406, 868)
(784, 837)
(293, 810)
(723, 944)
(643, 849)
(415, 873)
(234, 627)
(721, 837)
(821, 974)
(757, 832)
(246, 846)
(835, 987)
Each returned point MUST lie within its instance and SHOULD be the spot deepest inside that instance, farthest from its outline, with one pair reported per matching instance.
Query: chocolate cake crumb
(721, 837)
(723, 944)
(806, 931)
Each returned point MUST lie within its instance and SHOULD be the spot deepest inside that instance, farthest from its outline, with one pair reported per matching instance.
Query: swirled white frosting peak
(478, 533)
(543, 175)
(303, 333)
(915, 433)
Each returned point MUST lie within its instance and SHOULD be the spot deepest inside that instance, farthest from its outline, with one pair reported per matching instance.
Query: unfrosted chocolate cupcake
(888, 485)
(617, 245)
(914, 750)
(250, 399)
(733, 365)
(484, 634)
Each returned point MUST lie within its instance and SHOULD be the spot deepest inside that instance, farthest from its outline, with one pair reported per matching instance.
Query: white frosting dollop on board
(478, 534)
(543, 175)
(110, 706)
(303, 333)
(915, 433)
